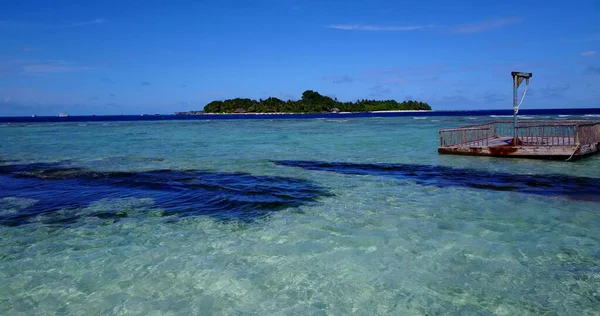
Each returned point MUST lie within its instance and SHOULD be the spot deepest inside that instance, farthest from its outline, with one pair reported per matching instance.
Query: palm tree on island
(311, 102)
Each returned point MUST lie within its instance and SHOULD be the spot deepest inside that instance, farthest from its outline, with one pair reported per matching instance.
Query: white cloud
(51, 68)
(588, 38)
(589, 53)
(39, 67)
(362, 27)
(26, 24)
(485, 25)
(84, 23)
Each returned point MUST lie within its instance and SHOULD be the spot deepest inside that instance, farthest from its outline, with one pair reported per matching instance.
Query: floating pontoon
(541, 139)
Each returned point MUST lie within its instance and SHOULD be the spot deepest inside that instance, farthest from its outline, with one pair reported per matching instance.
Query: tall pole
(515, 109)
(517, 79)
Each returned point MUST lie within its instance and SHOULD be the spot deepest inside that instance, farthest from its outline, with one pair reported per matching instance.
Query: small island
(311, 102)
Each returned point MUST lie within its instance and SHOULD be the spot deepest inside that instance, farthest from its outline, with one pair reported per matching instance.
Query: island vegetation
(311, 102)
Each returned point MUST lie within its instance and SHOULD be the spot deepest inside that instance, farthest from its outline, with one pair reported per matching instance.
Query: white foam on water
(337, 121)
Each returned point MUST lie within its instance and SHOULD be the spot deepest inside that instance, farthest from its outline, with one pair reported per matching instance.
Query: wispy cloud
(582, 39)
(486, 25)
(145, 83)
(27, 101)
(510, 44)
(339, 79)
(589, 53)
(52, 67)
(26, 24)
(84, 23)
(377, 28)
(592, 70)
(456, 98)
(18, 24)
(406, 74)
(39, 67)
(445, 74)
(286, 96)
(493, 97)
(380, 90)
(552, 91)
(465, 97)
(407, 71)
(7, 99)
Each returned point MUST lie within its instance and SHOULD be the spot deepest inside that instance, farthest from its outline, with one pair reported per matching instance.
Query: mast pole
(517, 79)
(515, 106)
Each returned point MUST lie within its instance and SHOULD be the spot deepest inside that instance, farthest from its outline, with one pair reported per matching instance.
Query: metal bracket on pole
(517, 80)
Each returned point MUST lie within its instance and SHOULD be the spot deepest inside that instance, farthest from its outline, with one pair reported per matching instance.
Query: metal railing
(588, 133)
(530, 133)
(477, 135)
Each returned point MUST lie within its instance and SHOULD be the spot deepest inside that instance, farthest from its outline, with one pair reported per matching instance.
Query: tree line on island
(311, 102)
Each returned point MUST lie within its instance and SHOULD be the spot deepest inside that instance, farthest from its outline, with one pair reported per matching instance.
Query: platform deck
(565, 140)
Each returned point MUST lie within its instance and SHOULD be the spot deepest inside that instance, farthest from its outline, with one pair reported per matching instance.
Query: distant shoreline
(310, 102)
(591, 113)
(302, 113)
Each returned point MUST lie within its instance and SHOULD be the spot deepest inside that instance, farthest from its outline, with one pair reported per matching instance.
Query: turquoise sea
(319, 216)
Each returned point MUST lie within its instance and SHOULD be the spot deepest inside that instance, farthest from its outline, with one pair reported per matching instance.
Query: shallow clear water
(314, 216)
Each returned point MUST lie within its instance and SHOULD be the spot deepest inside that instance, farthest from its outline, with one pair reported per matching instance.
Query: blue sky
(131, 57)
